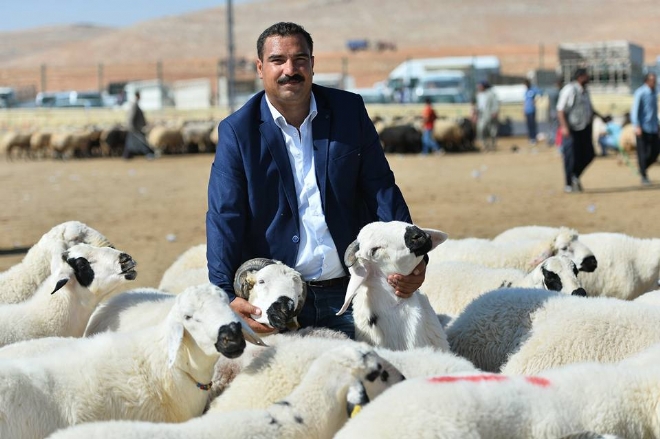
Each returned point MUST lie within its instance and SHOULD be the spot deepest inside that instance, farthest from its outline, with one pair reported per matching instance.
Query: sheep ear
(437, 237)
(174, 339)
(63, 273)
(356, 398)
(250, 335)
(358, 274)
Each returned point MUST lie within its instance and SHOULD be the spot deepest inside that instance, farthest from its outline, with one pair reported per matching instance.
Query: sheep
(112, 141)
(381, 318)
(266, 283)
(523, 331)
(452, 285)
(39, 143)
(567, 402)
(82, 276)
(277, 370)
(188, 269)
(628, 266)
(523, 255)
(197, 136)
(336, 386)
(159, 374)
(15, 141)
(166, 140)
(21, 281)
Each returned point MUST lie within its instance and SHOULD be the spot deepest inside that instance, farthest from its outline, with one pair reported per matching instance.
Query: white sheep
(189, 269)
(81, 277)
(21, 281)
(336, 386)
(567, 402)
(523, 255)
(452, 285)
(277, 370)
(523, 331)
(159, 374)
(381, 318)
(628, 266)
(275, 288)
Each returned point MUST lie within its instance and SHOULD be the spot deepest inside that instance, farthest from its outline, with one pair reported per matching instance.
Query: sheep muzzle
(418, 241)
(280, 312)
(231, 342)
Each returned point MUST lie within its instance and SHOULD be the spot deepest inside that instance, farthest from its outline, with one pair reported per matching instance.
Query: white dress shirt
(317, 254)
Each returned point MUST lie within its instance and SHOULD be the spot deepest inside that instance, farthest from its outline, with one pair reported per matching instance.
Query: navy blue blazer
(252, 202)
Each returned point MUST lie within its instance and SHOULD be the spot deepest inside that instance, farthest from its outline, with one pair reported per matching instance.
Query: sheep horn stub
(242, 285)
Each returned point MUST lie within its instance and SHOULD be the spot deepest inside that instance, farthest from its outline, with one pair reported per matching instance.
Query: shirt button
(295, 239)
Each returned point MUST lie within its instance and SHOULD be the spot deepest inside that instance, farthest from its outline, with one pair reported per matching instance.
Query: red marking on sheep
(536, 381)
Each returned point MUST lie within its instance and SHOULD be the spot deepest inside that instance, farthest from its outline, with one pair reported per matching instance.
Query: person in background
(609, 139)
(488, 108)
(298, 171)
(575, 114)
(136, 141)
(644, 117)
(429, 116)
(553, 97)
(529, 108)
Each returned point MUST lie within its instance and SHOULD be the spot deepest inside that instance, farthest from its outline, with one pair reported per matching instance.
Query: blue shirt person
(644, 117)
(529, 109)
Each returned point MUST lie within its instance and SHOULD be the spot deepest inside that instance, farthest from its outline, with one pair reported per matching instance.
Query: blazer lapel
(272, 136)
(320, 135)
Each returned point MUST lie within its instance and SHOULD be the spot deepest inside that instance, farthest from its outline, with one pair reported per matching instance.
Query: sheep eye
(187, 317)
(564, 248)
(261, 281)
(373, 251)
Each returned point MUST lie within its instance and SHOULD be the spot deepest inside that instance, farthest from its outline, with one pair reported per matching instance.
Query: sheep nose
(280, 312)
(579, 292)
(231, 342)
(417, 240)
(124, 258)
(589, 264)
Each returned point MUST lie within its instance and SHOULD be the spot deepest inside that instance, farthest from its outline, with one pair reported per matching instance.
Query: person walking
(529, 108)
(575, 114)
(136, 141)
(488, 108)
(644, 117)
(298, 171)
(553, 121)
(429, 144)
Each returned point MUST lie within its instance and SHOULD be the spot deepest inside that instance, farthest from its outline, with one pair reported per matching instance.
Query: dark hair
(283, 29)
(427, 100)
(648, 76)
(579, 72)
(527, 83)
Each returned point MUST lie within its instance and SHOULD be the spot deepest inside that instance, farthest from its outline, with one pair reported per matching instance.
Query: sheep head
(566, 243)
(558, 273)
(202, 317)
(99, 270)
(273, 287)
(384, 248)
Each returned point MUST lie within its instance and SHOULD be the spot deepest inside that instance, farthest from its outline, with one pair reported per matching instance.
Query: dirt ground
(155, 210)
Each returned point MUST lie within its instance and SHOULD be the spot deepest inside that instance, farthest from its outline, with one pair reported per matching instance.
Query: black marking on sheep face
(417, 241)
(127, 264)
(273, 421)
(298, 419)
(551, 280)
(284, 403)
(373, 320)
(83, 270)
(505, 284)
(371, 376)
(281, 312)
(589, 264)
(579, 292)
(231, 342)
(384, 376)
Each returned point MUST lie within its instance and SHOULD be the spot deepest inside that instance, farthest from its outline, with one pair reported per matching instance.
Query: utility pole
(231, 66)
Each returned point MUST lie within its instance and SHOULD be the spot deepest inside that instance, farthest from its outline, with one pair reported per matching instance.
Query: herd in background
(540, 332)
(190, 136)
(397, 134)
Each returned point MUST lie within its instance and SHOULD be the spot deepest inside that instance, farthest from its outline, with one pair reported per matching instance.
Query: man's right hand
(638, 131)
(245, 309)
(564, 131)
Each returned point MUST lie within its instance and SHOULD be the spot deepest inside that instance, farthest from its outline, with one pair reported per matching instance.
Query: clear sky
(25, 14)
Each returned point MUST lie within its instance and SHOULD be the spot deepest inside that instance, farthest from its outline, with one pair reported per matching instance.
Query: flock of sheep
(538, 333)
(106, 141)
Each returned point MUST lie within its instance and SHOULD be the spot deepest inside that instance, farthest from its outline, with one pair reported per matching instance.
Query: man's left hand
(405, 286)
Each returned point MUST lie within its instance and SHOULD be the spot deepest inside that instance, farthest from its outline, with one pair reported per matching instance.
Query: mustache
(286, 79)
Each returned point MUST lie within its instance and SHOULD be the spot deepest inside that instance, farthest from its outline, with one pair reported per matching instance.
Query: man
(644, 117)
(429, 143)
(136, 142)
(298, 171)
(487, 110)
(553, 98)
(529, 108)
(575, 114)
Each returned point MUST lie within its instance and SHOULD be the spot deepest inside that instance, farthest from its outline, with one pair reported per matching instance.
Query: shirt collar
(281, 121)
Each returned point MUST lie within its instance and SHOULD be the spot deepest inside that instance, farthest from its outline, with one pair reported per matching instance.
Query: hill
(524, 35)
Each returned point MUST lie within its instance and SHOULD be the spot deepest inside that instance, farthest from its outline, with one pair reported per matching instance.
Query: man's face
(286, 70)
(583, 79)
(651, 81)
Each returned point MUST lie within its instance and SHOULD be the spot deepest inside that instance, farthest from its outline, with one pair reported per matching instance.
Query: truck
(448, 79)
(7, 97)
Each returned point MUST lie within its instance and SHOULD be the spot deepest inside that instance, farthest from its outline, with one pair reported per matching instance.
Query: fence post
(159, 71)
(43, 77)
(100, 77)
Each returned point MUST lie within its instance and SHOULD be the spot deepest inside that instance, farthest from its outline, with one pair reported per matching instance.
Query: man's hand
(245, 309)
(405, 286)
(638, 131)
(565, 131)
